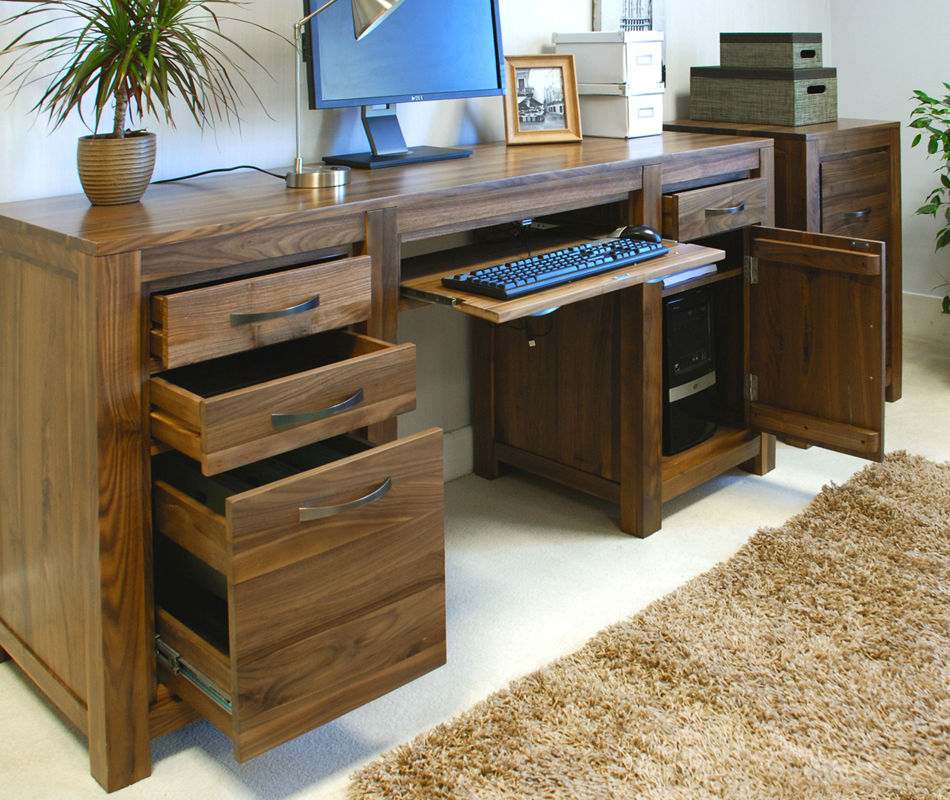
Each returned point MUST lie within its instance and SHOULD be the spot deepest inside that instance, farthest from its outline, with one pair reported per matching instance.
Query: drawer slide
(169, 657)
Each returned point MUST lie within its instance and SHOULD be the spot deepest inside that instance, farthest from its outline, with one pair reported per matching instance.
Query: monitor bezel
(311, 57)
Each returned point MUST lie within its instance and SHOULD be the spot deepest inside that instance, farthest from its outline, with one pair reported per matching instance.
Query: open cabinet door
(815, 334)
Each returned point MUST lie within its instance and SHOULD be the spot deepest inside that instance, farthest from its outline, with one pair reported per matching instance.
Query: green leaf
(916, 140)
(946, 304)
(933, 145)
(930, 208)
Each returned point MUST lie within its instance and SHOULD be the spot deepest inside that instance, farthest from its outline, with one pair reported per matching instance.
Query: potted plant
(136, 54)
(932, 117)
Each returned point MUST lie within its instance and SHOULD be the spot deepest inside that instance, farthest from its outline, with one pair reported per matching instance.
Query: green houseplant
(138, 55)
(932, 118)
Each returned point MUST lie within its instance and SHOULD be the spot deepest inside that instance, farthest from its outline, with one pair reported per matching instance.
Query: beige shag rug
(813, 664)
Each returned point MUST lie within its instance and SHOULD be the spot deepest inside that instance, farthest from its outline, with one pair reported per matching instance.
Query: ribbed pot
(116, 171)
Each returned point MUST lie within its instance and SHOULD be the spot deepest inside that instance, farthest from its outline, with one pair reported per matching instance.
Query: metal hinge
(751, 387)
(750, 269)
(172, 659)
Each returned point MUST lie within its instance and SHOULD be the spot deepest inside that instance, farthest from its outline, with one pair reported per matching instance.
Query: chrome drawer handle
(281, 420)
(263, 316)
(716, 212)
(857, 214)
(319, 512)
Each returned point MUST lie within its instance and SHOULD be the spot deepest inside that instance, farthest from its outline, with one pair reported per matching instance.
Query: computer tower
(689, 370)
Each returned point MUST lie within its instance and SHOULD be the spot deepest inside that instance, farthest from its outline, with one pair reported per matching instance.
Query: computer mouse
(643, 232)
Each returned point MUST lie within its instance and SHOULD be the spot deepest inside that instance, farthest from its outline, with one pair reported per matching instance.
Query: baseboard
(457, 450)
(923, 319)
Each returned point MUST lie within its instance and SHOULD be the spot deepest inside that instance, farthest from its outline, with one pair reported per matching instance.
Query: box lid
(764, 74)
(607, 36)
(620, 89)
(798, 38)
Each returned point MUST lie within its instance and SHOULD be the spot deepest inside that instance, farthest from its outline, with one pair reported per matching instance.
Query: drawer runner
(178, 665)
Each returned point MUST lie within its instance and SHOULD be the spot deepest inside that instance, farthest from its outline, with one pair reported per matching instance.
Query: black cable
(220, 169)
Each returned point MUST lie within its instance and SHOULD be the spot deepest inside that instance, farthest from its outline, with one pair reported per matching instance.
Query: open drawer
(242, 408)
(212, 321)
(297, 588)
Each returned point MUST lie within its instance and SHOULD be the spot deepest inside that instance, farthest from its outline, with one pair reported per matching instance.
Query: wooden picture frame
(541, 103)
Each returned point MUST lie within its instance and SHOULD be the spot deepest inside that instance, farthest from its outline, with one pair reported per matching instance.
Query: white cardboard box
(616, 111)
(634, 58)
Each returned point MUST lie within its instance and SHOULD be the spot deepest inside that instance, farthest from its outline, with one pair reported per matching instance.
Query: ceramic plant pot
(116, 171)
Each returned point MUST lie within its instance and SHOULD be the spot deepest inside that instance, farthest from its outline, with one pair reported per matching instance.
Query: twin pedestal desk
(205, 508)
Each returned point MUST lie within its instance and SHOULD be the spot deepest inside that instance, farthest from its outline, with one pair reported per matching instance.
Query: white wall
(885, 51)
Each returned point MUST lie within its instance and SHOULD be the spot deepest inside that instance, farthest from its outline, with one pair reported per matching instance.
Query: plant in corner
(932, 117)
(139, 55)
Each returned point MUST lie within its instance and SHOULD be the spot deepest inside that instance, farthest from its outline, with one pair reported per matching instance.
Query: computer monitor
(424, 50)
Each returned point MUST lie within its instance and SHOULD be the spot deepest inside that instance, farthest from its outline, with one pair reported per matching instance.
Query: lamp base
(318, 177)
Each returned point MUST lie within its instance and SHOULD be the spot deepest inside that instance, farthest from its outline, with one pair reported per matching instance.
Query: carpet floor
(815, 663)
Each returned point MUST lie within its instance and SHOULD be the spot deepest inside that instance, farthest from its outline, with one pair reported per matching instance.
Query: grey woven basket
(767, 97)
(770, 50)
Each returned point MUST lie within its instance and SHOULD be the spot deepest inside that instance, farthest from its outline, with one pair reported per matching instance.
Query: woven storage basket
(767, 97)
(770, 50)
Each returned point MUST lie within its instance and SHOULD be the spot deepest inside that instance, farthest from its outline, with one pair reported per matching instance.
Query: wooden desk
(99, 305)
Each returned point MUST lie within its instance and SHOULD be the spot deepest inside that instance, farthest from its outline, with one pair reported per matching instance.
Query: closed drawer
(715, 209)
(245, 407)
(211, 321)
(293, 590)
(855, 196)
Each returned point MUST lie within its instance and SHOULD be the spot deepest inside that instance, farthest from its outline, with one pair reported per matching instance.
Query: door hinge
(751, 387)
(171, 658)
(750, 269)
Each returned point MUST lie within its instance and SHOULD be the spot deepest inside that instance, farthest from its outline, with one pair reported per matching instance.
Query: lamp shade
(367, 14)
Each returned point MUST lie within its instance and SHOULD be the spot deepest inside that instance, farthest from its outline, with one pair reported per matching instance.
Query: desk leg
(483, 402)
(121, 656)
(641, 409)
(382, 244)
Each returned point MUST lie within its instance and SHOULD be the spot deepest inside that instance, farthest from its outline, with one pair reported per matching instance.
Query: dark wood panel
(816, 341)
(338, 670)
(855, 196)
(47, 447)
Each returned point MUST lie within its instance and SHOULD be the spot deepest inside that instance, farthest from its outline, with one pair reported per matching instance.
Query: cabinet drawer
(211, 321)
(287, 601)
(241, 408)
(715, 209)
(855, 196)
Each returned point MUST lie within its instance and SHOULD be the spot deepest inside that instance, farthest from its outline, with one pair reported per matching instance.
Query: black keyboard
(516, 278)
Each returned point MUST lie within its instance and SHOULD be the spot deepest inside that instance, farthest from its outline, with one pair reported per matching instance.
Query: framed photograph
(541, 104)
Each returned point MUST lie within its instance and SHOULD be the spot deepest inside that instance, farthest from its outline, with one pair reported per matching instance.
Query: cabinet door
(815, 339)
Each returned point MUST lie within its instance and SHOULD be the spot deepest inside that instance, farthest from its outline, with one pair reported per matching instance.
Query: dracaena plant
(138, 54)
(932, 119)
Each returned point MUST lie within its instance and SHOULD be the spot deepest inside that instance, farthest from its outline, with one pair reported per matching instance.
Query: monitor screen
(425, 50)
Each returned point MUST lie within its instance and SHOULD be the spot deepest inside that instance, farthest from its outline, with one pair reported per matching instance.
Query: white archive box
(624, 57)
(614, 110)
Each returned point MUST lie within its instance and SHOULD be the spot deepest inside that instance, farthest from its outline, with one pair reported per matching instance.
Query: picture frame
(541, 104)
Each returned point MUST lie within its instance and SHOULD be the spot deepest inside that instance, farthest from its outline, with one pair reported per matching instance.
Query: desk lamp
(367, 15)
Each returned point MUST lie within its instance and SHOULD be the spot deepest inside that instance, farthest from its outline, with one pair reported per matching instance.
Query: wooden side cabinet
(841, 178)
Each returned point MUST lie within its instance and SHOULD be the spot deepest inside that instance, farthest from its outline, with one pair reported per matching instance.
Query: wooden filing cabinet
(841, 178)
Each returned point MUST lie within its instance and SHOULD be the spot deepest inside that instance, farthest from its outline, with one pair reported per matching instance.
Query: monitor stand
(389, 145)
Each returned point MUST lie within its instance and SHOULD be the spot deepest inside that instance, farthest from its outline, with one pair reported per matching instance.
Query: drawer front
(288, 396)
(715, 209)
(325, 614)
(212, 321)
(855, 196)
